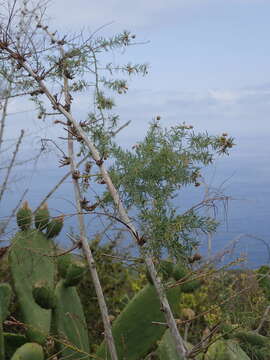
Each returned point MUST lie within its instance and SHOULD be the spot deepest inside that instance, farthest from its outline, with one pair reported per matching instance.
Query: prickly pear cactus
(255, 345)
(24, 217)
(29, 351)
(5, 296)
(225, 350)
(133, 330)
(68, 315)
(12, 342)
(42, 217)
(166, 349)
(31, 260)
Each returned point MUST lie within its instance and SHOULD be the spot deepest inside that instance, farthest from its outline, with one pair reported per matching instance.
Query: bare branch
(4, 185)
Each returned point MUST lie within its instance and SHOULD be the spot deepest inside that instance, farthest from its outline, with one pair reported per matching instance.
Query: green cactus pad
(54, 227)
(12, 342)
(226, 350)
(166, 349)
(44, 295)
(29, 351)
(2, 344)
(133, 330)
(251, 338)
(70, 323)
(74, 274)
(5, 297)
(42, 217)
(30, 262)
(24, 217)
(255, 345)
(63, 263)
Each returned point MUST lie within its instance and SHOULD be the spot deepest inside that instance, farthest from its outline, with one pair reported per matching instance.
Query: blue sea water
(244, 219)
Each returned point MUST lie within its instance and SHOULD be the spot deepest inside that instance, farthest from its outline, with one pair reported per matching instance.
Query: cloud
(125, 13)
(242, 112)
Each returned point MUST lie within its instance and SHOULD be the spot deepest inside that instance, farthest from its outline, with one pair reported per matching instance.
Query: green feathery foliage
(150, 176)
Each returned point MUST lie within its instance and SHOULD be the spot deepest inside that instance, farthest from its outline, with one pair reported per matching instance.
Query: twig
(2, 229)
(83, 239)
(177, 338)
(4, 114)
(60, 182)
(3, 187)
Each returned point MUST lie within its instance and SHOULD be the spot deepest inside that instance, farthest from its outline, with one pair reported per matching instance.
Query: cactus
(24, 217)
(225, 350)
(44, 308)
(74, 274)
(255, 345)
(54, 227)
(56, 311)
(133, 330)
(5, 296)
(70, 323)
(12, 343)
(42, 217)
(44, 295)
(166, 349)
(30, 262)
(29, 351)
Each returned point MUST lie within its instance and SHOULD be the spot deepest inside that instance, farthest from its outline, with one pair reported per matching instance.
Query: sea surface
(244, 177)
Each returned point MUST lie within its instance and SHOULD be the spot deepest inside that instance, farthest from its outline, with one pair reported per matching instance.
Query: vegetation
(163, 303)
(219, 314)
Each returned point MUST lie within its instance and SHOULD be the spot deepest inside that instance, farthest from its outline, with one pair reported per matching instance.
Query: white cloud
(128, 14)
(224, 96)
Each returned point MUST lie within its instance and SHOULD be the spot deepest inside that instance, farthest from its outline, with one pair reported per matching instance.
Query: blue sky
(209, 60)
(209, 66)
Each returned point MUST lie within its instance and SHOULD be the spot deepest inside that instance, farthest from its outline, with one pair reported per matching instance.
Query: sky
(209, 66)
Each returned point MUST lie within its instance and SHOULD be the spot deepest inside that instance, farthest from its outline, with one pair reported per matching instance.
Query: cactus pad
(42, 217)
(29, 351)
(30, 262)
(133, 330)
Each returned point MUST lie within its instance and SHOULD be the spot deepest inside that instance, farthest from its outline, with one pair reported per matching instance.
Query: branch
(2, 229)
(178, 340)
(83, 238)
(4, 114)
(3, 187)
